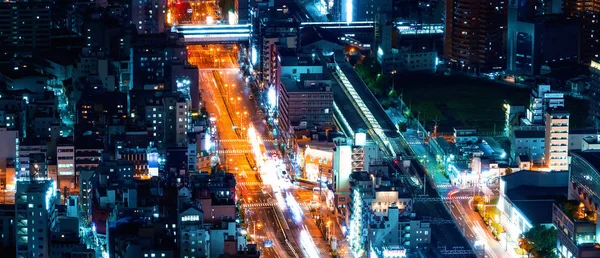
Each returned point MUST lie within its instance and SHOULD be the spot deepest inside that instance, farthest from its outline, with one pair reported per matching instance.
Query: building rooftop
(591, 157)
(530, 134)
(14, 72)
(292, 85)
(537, 211)
(534, 179)
(588, 131)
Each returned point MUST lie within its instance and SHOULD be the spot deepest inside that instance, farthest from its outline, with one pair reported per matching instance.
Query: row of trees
(488, 214)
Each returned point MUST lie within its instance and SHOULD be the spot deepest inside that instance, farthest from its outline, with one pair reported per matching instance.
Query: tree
(402, 126)
(478, 201)
(542, 240)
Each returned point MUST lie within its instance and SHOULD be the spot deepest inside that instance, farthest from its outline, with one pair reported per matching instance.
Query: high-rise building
(152, 58)
(148, 16)
(8, 152)
(383, 28)
(359, 10)
(587, 12)
(193, 238)
(25, 25)
(36, 216)
(65, 163)
(475, 32)
(542, 99)
(557, 140)
(594, 104)
(539, 38)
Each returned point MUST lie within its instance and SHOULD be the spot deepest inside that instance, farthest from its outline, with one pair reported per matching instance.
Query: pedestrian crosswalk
(233, 151)
(270, 204)
(240, 140)
(243, 151)
(258, 204)
(249, 183)
(444, 185)
(458, 198)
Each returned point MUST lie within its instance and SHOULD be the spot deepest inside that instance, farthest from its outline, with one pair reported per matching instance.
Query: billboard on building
(152, 163)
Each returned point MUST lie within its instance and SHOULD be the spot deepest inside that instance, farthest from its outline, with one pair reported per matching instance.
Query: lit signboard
(394, 253)
(360, 139)
(595, 65)
(152, 163)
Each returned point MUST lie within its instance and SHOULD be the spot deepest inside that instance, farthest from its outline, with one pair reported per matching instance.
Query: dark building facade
(587, 12)
(475, 33)
(546, 42)
(25, 25)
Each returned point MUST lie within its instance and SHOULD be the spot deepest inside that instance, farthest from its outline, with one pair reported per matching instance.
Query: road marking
(269, 204)
(458, 198)
(249, 183)
(444, 185)
(247, 151)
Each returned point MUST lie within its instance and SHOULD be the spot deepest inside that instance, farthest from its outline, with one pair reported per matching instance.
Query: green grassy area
(471, 102)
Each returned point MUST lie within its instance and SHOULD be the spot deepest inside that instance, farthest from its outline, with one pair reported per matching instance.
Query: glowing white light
(349, 11)
(207, 142)
(379, 51)
(205, 31)
(272, 97)
(360, 139)
(210, 20)
(309, 246)
(254, 55)
(233, 18)
(50, 194)
(297, 213)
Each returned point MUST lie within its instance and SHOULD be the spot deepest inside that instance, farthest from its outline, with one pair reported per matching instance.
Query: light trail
(308, 245)
(297, 213)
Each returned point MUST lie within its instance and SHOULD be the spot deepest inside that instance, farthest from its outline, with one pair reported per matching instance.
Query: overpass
(206, 34)
(403, 27)
(222, 33)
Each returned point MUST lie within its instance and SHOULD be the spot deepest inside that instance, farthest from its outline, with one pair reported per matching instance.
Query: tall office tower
(474, 38)
(36, 216)
(539, 39)
(594, 103)
(148, 16)
(359, 10)
(25, 25)
(383, 27)
(557, 140)
(588, 14)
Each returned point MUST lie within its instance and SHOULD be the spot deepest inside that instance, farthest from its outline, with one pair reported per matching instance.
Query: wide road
(227, 100)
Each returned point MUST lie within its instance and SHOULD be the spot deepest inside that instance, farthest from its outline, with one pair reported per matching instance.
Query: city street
(227, 99)
(470, 224)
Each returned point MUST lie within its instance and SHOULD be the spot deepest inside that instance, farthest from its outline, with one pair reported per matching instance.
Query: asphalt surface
(233, 108)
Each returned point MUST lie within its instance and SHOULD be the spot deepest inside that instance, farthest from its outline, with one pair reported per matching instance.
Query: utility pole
(225, 157)
(320, 192)
(424, 183)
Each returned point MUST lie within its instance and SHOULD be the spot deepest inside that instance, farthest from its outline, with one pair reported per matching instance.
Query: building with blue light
(36, 216)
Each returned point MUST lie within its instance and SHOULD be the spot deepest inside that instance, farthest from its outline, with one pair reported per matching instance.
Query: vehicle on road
(268, 243)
